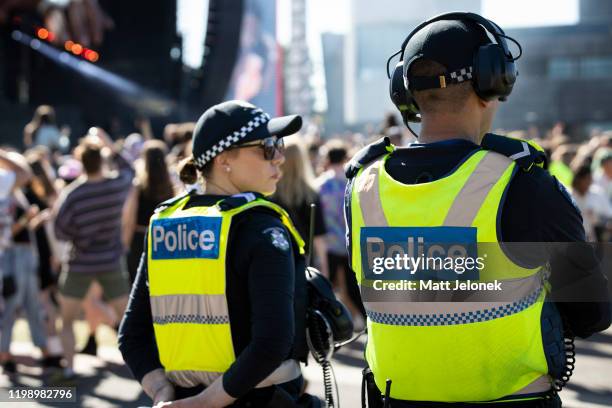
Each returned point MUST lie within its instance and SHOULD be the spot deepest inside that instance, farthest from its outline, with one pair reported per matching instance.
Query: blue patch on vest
(184, 238)
(420, 253)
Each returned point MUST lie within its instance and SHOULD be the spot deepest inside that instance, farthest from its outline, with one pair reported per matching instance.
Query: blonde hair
(297, 184)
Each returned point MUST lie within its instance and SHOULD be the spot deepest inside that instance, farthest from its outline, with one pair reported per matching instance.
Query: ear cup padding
(494, 74)
(401, 96)
(397, 91)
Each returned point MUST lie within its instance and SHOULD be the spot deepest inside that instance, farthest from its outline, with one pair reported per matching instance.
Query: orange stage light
(42, 33)
(77, 49)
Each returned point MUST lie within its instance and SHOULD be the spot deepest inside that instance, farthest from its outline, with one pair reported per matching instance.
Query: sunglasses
(270, 146)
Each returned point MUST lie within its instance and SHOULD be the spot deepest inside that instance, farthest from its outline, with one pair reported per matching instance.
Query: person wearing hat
(463, 196)
(217, 312)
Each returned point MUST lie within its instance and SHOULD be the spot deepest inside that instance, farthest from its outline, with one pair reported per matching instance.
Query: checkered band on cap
(420, 83)
(461, 75)
(260, 118)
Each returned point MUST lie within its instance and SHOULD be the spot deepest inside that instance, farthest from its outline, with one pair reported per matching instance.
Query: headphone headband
(495, 30)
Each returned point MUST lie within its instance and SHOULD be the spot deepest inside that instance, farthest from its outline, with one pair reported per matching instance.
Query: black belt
(372, 398)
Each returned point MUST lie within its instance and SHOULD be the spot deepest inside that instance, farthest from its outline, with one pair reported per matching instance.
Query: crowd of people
(73, 220)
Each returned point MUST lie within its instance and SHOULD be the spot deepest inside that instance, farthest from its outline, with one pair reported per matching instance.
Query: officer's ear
(492, 104)
(482, 103)
(221, 160)
(225, 158)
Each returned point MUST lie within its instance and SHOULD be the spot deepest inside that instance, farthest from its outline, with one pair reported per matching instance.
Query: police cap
(452, 43)
(236, 122)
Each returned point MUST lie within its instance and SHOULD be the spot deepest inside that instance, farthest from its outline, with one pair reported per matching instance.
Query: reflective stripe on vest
(187, 287)
(475, 349)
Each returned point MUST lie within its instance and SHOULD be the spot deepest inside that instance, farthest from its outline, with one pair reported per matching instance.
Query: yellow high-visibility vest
(187, 286)
(445, 350)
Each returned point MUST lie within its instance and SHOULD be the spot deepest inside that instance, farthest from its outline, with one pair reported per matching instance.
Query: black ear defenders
(492, 73)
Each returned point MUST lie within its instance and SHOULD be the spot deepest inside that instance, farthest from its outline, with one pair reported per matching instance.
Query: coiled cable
(570, 362)
(552, 400)
(322, 348)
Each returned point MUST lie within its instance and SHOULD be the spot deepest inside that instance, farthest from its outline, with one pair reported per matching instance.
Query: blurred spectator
(395, 134)
(178, 134)
(332, 184)
(603, 174)
(389, 121)
(42, 130)
(70, 170)
(183, 140)
(593, 204)
(152, 186)
(143, 126)
(314, 158)
(557, 135)
(133, 146)
(559, 167)
(20, 266)
(170, 134)
(295, 192)
(14, 173)
(88, 215)
(41, 192)
(311, 142)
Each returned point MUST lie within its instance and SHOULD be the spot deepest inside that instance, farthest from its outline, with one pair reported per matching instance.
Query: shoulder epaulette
(367, 155)
(525, 153)
(169, 202)
(238, 200)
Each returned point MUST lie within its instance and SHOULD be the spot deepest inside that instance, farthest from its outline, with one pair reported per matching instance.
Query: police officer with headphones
(217, 312)
(429, 346)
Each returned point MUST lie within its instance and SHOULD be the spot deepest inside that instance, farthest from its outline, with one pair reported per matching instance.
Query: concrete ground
(104, 381)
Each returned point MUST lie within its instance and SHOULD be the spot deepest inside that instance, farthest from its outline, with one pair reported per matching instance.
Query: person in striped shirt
(88, 216)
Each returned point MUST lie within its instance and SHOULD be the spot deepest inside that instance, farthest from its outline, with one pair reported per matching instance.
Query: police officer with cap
(429, 346)
(216, 315)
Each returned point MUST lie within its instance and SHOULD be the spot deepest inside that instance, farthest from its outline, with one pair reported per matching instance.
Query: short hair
(90, 155)
(581, 173)
(438, 100)
(335, 151)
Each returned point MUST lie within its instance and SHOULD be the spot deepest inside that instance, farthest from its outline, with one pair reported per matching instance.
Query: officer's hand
(157, 387)
(212, 397)
(163, 396)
